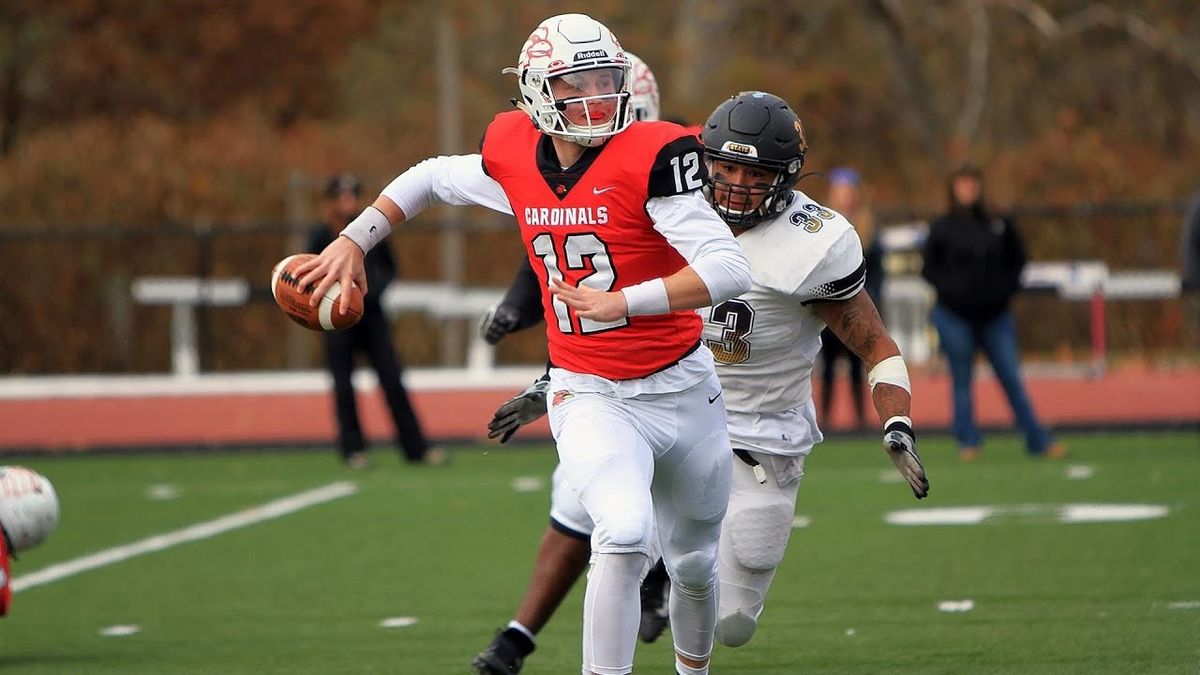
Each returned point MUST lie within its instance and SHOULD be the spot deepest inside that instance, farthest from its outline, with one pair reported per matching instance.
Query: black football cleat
(656, 590)
(502, 657)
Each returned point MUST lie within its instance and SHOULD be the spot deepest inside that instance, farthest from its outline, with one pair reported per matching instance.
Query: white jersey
(766, 340)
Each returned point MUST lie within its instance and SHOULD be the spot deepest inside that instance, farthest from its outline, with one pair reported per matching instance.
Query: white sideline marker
(527, 484)
(890, 476)
(1062, 513)
(801, 521)
(162, 492)
(1184, 604)
(956, 606)
(233, 521)
(119, 630)
(1080, 472)
(398, 622)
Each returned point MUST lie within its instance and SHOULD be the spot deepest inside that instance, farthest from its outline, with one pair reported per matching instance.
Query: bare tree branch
(697, 23)
(923, 116)
(816, 17)
(1101, 15)
(977, 66)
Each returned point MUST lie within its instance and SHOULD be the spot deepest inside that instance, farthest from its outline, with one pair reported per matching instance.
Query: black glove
(516, 412)
(498, 321)
(901, 444)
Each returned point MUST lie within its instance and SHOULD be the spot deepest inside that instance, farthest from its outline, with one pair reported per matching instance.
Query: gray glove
(498, 321)
(516, 412)
(901, 444)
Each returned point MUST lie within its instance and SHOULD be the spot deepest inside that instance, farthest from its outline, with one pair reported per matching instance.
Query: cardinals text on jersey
(588, 225)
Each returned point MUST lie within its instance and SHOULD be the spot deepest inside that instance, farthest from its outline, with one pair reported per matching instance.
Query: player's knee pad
(693, 571)
(735, 629)
(565, 508)
(623, 530)
(631, 566)
(758, 524)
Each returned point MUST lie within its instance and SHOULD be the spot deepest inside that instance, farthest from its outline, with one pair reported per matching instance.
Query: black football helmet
(756, 129)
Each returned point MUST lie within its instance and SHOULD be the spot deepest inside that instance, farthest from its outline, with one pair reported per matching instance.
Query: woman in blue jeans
(974, 260)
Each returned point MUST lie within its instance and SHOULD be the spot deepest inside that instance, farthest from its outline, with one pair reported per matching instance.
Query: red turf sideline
(1128, 397)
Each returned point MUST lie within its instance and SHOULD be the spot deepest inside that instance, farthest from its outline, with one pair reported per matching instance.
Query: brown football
(293, 300)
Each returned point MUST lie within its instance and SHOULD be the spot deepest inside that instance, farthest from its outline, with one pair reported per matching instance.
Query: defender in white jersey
(808, 270)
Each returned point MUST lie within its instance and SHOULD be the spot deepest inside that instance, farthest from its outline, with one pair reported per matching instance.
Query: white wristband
(890, 371)
(368, 229)
(648, 297)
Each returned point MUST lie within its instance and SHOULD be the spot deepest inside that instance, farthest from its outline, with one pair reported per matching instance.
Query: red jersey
(588, 225)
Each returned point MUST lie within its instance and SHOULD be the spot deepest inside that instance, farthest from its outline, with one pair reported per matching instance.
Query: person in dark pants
(1190, 260)
(371, 335)
(845, 197)
(974, 260)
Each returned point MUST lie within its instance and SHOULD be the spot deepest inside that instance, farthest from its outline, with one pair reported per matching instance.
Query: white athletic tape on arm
(648, 297)
(368, 229)
(890, 371)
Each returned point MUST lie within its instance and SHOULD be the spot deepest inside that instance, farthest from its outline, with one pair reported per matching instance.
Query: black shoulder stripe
(841, 289)
(678, 168)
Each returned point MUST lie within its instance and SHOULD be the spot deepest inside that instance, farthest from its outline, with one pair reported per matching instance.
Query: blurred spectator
(846, 197)
(974, 260)
(1191, 246)
(371, 335)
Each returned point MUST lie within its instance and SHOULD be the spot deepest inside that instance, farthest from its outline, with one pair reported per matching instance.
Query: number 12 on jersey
(580, 251)
(687, 172)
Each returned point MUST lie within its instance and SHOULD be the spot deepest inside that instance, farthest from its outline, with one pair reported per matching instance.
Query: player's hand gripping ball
(293, 300)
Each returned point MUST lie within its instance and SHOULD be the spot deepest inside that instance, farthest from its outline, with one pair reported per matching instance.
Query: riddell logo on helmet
(740, 149)
(591, 54)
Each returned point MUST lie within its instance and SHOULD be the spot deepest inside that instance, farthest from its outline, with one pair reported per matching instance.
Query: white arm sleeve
(692, 227)
(458, 180)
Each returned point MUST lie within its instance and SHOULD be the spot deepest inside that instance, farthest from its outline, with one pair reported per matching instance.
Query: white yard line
(233, 521)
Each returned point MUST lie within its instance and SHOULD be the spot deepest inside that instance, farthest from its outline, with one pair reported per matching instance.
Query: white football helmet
(643, 90)
(560, 47)
(28, 507)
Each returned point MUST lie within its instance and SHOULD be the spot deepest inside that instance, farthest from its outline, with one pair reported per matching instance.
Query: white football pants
(632, 462)
(754, 537)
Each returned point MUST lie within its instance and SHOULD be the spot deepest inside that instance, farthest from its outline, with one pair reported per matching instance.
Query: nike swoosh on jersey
(714, 398)
(600, 191)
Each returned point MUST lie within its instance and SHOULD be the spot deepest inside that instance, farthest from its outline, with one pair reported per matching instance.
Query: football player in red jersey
(564, 550)
(616, 228)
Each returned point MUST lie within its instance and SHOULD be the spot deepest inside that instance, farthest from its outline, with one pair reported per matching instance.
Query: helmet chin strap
(523, 106)
(587, 141)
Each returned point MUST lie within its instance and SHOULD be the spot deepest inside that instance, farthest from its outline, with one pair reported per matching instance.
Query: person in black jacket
(371, 335)
(1190, 260)
(1190, 248)
(974, 260)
